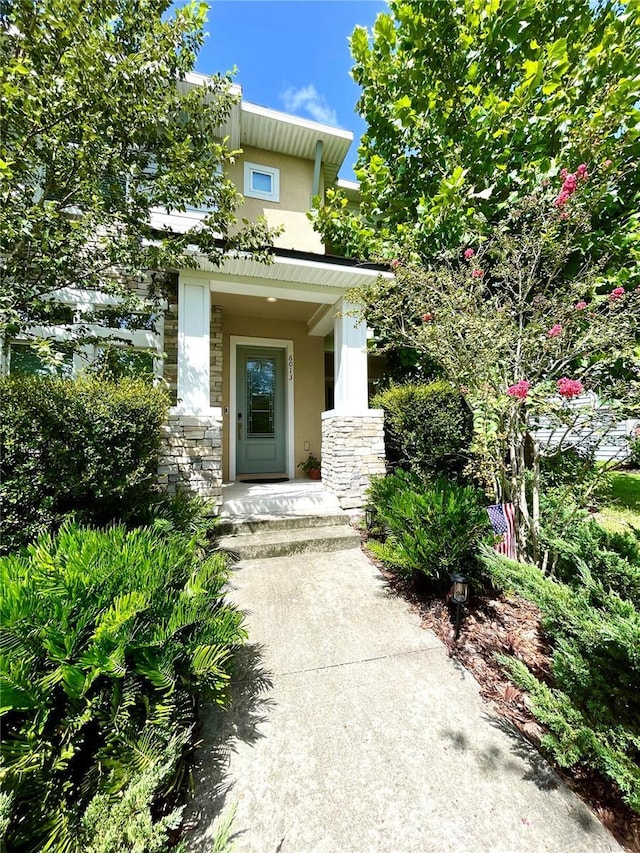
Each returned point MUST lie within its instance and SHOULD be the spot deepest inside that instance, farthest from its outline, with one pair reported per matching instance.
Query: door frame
(236, 341)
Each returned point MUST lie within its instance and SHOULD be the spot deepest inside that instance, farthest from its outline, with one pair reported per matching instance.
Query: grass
(622, 509)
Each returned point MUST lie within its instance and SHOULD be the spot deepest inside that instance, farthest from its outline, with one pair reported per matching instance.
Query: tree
(522, 338)
(469, 104)
(97, 128)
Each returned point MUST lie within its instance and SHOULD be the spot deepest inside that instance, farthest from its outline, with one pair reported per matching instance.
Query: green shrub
(577, 543)
(593, 707)
(82, 446)
(428, 428)
(117, 824)
(567, 467)
(107, 638)
(634, 451)
(432, 528)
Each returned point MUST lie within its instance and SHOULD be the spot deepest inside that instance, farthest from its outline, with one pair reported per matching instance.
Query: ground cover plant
(590, 708)
(108, 639)
(83, 446)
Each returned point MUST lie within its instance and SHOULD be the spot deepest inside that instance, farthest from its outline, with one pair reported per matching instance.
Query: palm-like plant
(106, 640)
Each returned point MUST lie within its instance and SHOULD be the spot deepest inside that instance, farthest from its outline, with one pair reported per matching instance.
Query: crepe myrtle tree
(96, 130)
(526, 325)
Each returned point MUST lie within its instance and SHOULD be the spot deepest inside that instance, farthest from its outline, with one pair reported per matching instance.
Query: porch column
(191, 457)
(350, 360)
(194, 300)
(352, 433)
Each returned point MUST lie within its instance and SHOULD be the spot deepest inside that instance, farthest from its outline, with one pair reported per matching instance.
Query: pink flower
(570, 184)
(606, 164)
(581, 305)
(617, 293)
(562, 199)
(394, 264)
(569, 387)
(554, 331)
(564, 215)
(477, 273)
(519, 390)
(427, 318)
(469, 253)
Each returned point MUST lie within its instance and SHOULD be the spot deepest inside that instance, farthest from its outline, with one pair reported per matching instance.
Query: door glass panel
(261, 376)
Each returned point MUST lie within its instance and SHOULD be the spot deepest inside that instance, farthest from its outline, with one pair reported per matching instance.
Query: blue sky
(292, 55)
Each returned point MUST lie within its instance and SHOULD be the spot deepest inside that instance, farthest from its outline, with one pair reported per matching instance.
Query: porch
(269, 364)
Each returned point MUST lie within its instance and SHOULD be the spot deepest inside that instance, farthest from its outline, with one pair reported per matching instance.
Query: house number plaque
(290, 367)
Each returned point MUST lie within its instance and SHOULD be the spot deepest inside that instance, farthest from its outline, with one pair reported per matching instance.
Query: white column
(194, 307)
(350, 361)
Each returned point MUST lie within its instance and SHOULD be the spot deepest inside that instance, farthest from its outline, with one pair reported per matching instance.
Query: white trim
(194, 385)
(347, 413)
(323, 296)
(287, 118)
(274, 174)
(343, 184)
(273, 343)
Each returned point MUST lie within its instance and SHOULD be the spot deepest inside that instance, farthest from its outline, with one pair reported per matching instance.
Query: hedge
(428, 428)
(75, 446)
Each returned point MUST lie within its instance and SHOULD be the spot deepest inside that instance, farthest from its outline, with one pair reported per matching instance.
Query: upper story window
(261, 182)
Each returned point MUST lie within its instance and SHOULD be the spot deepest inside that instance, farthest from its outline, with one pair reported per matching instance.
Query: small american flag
(502, 517)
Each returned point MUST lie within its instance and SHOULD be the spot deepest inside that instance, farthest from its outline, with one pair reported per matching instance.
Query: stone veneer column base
(191, 456)
(352, 452)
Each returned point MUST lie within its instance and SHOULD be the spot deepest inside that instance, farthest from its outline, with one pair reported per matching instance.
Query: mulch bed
(511, 625)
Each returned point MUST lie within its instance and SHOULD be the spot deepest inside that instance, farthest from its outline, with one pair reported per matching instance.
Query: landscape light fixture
(369, 516)
(459, 596)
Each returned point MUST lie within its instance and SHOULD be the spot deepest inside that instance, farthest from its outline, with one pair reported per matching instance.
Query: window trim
(249, 192)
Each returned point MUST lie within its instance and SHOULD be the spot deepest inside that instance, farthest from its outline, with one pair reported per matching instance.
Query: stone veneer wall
(191, 456)
(352, 452)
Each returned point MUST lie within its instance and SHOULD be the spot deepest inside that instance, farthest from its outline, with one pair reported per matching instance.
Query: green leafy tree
(98, 126)
(470, 103)
(524, 324)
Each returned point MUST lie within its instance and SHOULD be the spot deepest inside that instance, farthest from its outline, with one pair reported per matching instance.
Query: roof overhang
(256, 126)
(317, 279)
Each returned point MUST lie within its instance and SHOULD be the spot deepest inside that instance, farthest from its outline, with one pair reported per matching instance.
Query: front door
(260, 417)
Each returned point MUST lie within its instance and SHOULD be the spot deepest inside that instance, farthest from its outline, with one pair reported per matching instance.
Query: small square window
(261, 182)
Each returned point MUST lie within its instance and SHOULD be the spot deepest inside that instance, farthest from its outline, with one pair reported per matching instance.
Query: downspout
(316, 171)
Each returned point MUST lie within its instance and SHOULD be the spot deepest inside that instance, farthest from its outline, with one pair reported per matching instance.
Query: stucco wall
(296, 185)
(308, 353)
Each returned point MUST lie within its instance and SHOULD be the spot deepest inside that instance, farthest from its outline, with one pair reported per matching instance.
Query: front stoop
(284, 537)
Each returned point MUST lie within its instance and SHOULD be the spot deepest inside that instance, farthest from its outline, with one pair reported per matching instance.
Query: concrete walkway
(353, 731)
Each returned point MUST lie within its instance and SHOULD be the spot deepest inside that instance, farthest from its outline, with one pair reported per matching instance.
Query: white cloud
(309, 100)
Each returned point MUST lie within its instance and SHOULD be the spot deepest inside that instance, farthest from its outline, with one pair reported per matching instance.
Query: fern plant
(106, 640)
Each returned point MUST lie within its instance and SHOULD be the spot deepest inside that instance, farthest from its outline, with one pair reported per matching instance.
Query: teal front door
(261, 439)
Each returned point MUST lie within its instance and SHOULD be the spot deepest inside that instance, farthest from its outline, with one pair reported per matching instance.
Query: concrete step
(262, 524)
(284, 542)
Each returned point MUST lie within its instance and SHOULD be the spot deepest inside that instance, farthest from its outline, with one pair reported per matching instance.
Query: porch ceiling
(256, 306)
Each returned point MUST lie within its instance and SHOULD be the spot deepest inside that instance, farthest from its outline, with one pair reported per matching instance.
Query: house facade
(264, 362)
